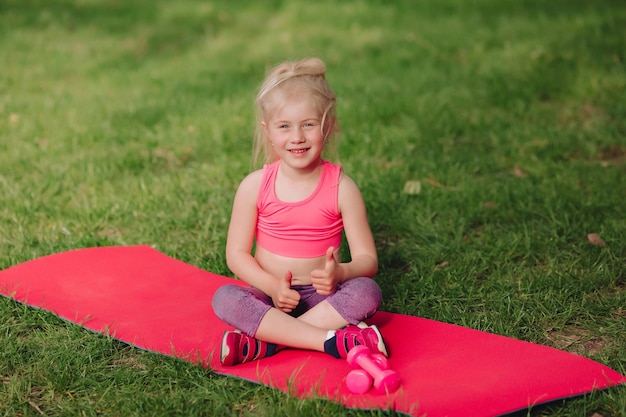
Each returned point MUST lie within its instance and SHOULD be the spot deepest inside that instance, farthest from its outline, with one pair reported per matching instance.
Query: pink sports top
(300, 229)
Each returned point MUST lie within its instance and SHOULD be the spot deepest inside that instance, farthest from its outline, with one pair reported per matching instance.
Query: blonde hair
(307, 77)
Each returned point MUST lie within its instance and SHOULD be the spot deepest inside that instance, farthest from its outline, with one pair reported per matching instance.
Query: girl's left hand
(325, 280)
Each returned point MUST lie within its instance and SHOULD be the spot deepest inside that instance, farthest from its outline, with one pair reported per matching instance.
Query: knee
(357, 299)
(367, 292)
(225, 300)
(240, 307)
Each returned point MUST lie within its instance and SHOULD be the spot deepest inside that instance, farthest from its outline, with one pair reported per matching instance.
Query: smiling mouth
(298, 151)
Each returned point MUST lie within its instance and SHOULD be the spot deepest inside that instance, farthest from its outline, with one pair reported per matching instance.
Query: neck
(301, 174)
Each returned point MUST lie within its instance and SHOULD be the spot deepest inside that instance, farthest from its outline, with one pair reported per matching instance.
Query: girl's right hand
(285, 299)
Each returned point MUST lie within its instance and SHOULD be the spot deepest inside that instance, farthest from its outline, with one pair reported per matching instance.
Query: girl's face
(295, 131)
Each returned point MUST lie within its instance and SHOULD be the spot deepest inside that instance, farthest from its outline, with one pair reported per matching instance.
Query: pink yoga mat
(147, 299)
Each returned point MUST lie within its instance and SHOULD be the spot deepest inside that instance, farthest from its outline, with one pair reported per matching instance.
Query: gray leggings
(244, 307)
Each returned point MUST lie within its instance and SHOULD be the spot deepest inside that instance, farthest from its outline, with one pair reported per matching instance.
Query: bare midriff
(278, 265)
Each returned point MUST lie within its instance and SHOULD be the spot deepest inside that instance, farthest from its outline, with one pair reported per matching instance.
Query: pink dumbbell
(373, 367)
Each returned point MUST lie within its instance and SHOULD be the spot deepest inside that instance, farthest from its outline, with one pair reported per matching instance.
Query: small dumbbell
(359, 381)
(373, 367)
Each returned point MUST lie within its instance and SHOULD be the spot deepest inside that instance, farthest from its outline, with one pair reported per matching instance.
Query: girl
(299, 295)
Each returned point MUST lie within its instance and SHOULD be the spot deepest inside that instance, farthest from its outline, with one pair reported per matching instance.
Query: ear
(264, 126)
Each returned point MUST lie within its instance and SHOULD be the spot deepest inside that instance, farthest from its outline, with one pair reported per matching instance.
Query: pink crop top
(301, 229)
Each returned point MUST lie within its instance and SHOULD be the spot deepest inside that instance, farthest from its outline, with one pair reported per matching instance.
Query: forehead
(291, 106)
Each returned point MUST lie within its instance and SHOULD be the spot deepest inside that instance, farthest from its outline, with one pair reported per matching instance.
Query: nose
(298, 135)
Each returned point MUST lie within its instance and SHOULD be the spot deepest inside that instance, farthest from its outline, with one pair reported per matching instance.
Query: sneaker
(351, 336)
(240, 348)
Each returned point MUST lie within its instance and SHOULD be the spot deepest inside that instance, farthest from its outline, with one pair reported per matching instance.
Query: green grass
(130, 122)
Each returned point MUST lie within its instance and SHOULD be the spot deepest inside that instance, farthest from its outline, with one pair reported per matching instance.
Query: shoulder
(347, 184)
(349, 192)
(249, 186)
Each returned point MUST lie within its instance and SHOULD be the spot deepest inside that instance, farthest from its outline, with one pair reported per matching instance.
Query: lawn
(488, 138)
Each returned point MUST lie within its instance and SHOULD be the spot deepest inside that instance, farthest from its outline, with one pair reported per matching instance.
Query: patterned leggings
(243, 307)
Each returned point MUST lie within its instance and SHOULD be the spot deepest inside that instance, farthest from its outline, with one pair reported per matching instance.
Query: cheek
(276, 133)
(318, 135)
(277, 137)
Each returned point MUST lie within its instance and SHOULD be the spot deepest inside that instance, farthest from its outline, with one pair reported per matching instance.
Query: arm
(364, 260)
(239, 247)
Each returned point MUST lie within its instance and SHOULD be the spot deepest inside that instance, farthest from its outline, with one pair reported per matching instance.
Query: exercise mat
(149, 300)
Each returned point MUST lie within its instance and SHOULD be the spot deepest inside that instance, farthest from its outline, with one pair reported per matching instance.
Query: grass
(131, 123)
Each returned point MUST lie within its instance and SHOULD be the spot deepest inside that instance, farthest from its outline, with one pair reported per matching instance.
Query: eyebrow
(304, 120)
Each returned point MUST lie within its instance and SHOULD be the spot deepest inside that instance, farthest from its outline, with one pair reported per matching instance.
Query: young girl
(299, 295)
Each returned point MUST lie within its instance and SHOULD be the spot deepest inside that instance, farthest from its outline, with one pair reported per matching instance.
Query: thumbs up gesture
(285, 299)
(325, 280)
